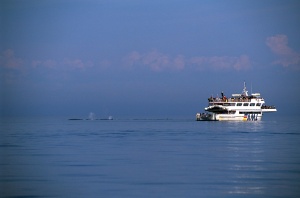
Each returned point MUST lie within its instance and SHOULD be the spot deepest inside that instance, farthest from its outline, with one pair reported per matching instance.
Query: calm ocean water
(57, 157)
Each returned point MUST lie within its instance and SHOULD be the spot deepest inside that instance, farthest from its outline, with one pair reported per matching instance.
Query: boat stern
(206, 117)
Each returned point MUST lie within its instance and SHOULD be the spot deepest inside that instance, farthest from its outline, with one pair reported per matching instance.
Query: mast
(245, 92)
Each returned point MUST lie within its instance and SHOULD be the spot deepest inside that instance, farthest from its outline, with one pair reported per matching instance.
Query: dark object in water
(75, 119)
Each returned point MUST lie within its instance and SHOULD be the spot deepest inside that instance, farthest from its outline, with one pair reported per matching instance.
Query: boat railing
(229, 99)
(268, 107)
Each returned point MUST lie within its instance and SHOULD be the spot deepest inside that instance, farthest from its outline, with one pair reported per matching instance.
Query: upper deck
(238, 103)
(241, 102)
(237, 100)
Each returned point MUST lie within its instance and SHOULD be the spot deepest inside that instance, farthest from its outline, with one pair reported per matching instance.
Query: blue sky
(145, 58)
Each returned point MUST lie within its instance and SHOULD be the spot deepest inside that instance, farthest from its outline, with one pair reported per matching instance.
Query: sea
(149, 157)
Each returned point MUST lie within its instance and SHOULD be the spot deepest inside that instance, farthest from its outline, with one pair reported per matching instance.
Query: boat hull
(240, 117)
(229, 117)
(206, 117)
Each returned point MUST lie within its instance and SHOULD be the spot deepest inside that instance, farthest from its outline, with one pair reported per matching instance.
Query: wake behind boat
(240, 107)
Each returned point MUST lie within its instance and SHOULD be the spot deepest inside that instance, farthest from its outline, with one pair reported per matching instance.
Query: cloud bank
(66, 64)
(13, 68)
(222, 62)
(9, 60)
(154, 60)
(157, 61)
(286, 55)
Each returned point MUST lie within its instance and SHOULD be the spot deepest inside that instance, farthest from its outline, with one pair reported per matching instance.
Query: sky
(145, 58)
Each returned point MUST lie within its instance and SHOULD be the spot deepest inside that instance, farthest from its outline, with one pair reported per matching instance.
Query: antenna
(245, 92)
(251, 87)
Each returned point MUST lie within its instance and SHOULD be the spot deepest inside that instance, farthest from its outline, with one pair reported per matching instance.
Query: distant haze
(145, 58)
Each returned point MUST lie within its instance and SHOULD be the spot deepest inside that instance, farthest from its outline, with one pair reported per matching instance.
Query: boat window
(239, 104)
(258, 104)
(232, 104)
(246, 104)
(252, 104)
(250, 112)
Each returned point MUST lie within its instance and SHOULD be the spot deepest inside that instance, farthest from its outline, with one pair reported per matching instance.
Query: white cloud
(9, 60)
(222, 62)
(157, 61)
(50, 63)
(179, 62)
(104, 64)
(241, 63)
(286, 55)
(12, 67)
(77, 64)
(154, 60)
(131, 59)
(66, 64)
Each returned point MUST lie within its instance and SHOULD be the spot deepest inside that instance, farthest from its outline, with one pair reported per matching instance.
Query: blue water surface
(57, 157)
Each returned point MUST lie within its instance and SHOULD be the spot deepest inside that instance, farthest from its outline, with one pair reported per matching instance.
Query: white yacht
(239, 107)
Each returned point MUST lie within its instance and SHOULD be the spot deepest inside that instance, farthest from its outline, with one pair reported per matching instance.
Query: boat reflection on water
(246, 165)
